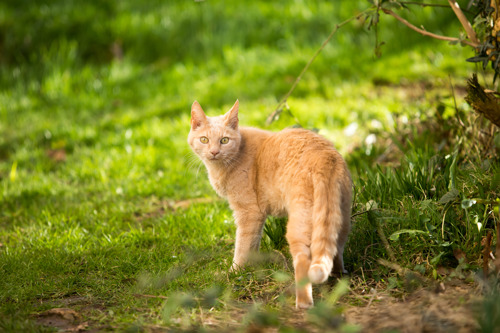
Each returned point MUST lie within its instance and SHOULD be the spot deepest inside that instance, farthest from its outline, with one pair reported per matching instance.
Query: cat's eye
(224, 140)
(204, 139)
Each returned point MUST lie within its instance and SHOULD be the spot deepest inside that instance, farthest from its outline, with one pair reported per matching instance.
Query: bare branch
(486, 255)
(151, 296)
(427, 33)
(363, 212)
(463, 20)
(282, 104)
(422, 4)
(497, 260)
(425, 4)
(458, 12)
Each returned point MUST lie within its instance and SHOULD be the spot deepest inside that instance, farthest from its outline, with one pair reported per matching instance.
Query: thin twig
(497, 252)
(282, 104)
(426, 4)
(401, 270)
(151, 296)
(463, 20)
(363, 212)
(284, 259)
(388, 248)
(486, 255)
(422, 4)
(374, 221)
(427, 33)
(374, 294)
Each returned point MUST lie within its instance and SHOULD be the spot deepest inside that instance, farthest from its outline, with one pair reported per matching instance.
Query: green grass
(94, 160)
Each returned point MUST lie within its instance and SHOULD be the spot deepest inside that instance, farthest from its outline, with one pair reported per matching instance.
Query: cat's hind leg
(299, 238)
(338, 263)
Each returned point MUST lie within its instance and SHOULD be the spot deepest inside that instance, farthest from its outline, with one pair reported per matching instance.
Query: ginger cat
(294, 173)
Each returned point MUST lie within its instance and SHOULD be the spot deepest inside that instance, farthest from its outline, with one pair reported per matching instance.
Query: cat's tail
(326, 226)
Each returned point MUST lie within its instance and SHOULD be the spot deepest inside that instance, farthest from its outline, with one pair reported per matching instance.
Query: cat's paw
(304, 304)
(235, 268)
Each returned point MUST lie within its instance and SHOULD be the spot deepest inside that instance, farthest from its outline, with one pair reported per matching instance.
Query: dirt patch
(64, 319)
(160, 208)
(449, 308)
(69, 314)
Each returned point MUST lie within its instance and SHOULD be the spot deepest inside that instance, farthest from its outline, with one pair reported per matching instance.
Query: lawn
(106, 214)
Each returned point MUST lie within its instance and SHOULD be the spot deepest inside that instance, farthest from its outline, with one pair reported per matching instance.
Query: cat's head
(215, 139)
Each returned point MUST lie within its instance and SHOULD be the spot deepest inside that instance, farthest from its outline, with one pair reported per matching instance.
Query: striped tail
(326, 225)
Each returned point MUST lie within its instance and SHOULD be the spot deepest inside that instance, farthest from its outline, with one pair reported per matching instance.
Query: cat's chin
(213, 159)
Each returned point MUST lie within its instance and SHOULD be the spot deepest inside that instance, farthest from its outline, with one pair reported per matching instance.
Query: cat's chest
(228, 185)
(219, 185)
(219, 182)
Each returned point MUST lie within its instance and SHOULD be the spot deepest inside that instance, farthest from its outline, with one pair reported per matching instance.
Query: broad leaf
(395, 236)
(450, 196)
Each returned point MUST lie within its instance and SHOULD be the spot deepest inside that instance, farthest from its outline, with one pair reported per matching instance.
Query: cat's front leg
(249, 226)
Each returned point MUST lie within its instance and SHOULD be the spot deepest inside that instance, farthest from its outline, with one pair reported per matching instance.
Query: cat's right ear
(231, 117)
(198, 117)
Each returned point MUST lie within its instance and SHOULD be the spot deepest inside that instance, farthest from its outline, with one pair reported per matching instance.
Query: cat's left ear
(231, 117)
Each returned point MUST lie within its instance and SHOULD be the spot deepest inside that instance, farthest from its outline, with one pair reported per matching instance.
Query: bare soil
(450, 307)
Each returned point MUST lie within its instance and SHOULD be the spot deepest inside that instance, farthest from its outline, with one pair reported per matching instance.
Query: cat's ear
(198, 117)
(231, 117)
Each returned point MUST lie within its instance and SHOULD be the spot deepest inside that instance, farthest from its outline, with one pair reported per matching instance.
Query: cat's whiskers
(192, 161)
(199, 167)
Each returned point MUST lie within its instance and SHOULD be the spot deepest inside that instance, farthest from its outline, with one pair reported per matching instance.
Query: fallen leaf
(184, 204)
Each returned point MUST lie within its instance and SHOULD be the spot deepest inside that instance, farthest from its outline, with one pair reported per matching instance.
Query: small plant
(274, 234)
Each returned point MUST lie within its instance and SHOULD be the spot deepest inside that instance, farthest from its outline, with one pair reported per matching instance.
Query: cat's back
(254, 134)
(292, 151)
(295, 155)
(296, 143)
(288, 164)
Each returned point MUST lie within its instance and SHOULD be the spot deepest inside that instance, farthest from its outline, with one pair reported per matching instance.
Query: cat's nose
(214, 152)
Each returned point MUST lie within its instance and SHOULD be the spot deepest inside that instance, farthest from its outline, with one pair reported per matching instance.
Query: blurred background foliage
(250, 39)
(194, 31)
(97, 63)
